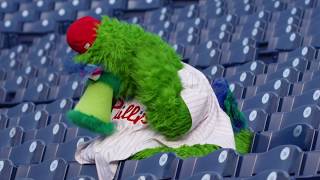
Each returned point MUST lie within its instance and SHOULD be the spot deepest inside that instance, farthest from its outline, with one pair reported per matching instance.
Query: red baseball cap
(81, 34)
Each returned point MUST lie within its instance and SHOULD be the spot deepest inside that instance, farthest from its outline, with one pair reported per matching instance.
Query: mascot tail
(227, 101)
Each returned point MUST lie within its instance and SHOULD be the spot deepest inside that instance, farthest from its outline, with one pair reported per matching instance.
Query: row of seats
(224, 163)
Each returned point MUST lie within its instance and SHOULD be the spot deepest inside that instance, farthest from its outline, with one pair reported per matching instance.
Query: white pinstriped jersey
(210, 125)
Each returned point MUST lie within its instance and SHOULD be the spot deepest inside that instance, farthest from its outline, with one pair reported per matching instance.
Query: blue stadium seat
(77, 170)
(146, 176)
(222, 161)
(30, 152)
(11, 137)
(289, 73)
(146, 4)
(67, 150)
(3, 121)
(24, 15)
(37, 93)
(73, 89)
(51, 170)
(281, 87)
(301, 135)
(40, 5)
(8, 6)
(308, 97)
(271, 174)
(162, 165)
(46, 25)
(238, 89)
(305, 114)
(21, 109)
(7, 169)
(269, 101)
(59, 106)
(31, 121)
(54, 133)
(310, 167)
(73, 5)
(257, 119)
(245, 78)
(210, 175)
(287, 158)
(206, 58)
(214, 71)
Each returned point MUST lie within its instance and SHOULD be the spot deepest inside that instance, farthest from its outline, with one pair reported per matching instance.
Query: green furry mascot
(159, 103)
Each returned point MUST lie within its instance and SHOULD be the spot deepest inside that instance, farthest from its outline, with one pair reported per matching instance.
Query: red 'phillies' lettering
(126, 113)
(129, 114)
(118, 115)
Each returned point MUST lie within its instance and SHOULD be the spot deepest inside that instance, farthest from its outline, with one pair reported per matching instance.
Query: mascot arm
(93, 111)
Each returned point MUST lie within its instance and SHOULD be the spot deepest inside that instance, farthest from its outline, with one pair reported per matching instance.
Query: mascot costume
(142, 99)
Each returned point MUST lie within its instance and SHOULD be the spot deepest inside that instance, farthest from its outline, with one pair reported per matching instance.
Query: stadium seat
(7, 169)
(287, 158)
(275, 174)
(51, 170)
(162, 165)
(54, 133)
(77, 170)
(30, 152)
(269, 101)
(222, 161)
(301, 135)
(11, 137)
(31, 121)
(258, 119)
(67, 150)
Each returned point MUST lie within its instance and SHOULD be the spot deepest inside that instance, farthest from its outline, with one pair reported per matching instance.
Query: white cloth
(210, 125)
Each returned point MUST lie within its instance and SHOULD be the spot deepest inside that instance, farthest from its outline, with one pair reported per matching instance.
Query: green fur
(90, 122)
(183, 152)
(243, 141)
(132, 55)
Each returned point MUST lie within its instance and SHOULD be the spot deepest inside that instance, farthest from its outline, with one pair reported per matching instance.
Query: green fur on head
(148, 71)
(183, 152)
(90, 122)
